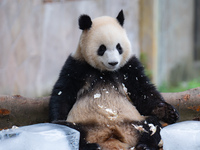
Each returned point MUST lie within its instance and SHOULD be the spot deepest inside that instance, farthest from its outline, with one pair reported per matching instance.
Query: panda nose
(113, 63)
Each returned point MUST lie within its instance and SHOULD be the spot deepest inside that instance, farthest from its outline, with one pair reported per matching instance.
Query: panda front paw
(166, 112)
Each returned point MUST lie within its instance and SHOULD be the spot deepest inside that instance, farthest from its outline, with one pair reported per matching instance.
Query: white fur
(107, 31)
(111, 56)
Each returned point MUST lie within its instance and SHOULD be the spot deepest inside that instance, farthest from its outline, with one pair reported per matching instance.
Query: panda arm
(65, 90)
(143, 94)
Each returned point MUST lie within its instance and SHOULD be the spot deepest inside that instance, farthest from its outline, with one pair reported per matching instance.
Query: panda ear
(120, 18)
(85, 22)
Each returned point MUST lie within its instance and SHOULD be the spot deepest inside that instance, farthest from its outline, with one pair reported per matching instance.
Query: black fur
(70, 81)
(150, 140)
(142, 93)
(85, 22)
(120, 18)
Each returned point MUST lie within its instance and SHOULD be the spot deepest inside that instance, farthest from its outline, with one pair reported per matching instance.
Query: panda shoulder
(74, 67)
(132, 64)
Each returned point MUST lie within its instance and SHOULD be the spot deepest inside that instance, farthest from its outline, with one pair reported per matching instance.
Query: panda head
(103, 43)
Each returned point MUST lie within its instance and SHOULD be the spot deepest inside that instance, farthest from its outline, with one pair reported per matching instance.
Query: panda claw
(166, 112)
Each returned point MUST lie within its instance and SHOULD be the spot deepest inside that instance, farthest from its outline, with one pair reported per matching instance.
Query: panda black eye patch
(101, 50)
(119, 48)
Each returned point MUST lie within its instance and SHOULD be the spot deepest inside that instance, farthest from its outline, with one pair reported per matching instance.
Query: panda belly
(105, 104)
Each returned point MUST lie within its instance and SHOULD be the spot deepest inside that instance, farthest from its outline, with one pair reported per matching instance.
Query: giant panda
(102, 91)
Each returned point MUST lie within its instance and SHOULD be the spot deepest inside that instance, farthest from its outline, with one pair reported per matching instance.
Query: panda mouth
(110, 67)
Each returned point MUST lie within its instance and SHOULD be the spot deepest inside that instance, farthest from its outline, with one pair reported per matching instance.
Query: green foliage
(144, 61)
(183, 86)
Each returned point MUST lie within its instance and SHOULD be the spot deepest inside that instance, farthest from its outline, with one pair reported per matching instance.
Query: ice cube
(181, 136)
(44, 136)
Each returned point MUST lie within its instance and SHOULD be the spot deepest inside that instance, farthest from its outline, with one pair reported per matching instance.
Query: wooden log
(20, 111)
(187, 103)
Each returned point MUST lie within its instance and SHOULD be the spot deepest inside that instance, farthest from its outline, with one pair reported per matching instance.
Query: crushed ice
(152, 128)
(97, 95)
(124, 88)
(112, 113)
(100, 106)
(139, 128)
(60, 92)
(125, 77)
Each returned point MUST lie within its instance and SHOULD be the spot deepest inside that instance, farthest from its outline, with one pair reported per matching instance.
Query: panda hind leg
(83, 145)
(150, 138)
